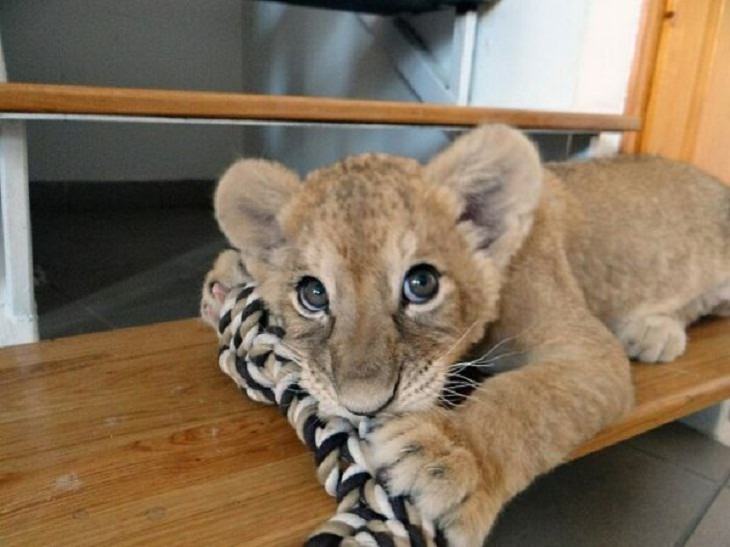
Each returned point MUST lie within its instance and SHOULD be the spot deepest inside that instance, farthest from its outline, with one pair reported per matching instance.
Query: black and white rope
(251, 352)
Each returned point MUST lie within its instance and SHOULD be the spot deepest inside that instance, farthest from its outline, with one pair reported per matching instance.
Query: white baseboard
(713, 421)
(17, 330)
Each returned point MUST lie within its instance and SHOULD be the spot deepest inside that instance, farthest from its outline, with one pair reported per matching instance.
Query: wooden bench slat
(666, 392)
(31, 98)
(135, 436)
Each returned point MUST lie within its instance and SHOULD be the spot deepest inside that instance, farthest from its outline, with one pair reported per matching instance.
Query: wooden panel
(135, 437)
(688, 115)
(58, 99)
(678, 77)
(712, 131)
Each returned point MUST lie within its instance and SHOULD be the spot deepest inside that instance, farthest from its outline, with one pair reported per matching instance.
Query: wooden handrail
(25, 98)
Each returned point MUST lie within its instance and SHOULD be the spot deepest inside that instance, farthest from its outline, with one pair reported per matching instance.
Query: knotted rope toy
(252, 353)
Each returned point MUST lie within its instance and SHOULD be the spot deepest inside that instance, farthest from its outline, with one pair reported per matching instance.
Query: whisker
(456, 343)
(510, 339)
(443, 400)
(460, 378)
(499, 344)
(451, 378)
(460, 396)
(463, 383)
(482, 362)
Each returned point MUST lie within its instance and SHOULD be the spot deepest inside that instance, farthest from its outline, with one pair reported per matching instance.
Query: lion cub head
(384, 271)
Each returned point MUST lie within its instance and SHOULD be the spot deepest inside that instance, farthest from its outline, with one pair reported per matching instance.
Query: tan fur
(538, 266)
(668, 245)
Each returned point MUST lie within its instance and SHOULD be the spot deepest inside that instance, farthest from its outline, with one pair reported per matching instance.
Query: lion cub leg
(652, 338)
(722, 307)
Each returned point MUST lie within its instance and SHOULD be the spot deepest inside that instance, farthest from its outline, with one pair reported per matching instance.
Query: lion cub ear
(496, 175)
(247, 202)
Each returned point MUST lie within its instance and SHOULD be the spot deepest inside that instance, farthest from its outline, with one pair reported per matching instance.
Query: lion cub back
(645, 233)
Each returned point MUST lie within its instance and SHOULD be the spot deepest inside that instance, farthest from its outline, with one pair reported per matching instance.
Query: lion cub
(396, 279)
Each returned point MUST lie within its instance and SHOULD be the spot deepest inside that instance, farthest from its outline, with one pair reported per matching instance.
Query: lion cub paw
(420, 456)
(653, 338)
(227, 272)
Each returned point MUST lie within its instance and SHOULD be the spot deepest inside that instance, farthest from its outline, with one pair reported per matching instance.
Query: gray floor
(120, 268)
(665, 488)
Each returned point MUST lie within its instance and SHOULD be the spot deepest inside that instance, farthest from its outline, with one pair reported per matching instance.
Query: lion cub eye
(420, 284)
(312, 294)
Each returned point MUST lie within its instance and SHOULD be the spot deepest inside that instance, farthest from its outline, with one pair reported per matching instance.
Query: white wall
(164, 43)
(568, 55)
(607, 55)
(529, 53)
(300, 51)
(561, 54)
(572, 55)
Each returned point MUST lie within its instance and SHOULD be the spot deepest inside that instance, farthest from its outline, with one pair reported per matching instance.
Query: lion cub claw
(653, 338)
(422, 457)
(227, 272)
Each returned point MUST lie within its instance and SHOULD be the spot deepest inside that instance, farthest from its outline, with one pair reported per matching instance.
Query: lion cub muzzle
(364, 370)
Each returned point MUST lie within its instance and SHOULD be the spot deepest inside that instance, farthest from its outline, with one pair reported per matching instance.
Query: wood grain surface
(688, 111)
(66, 99)
(134, 437)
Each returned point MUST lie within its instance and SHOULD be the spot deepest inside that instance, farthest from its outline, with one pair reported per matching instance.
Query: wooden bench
(135, 436)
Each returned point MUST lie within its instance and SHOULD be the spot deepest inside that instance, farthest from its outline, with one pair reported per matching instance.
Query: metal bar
(409, 57)
(18, 321)
(3, 78)
(19, 310)
(3, 69)
(101, 118)
(462, 56)
(713, 421)
(33, 116)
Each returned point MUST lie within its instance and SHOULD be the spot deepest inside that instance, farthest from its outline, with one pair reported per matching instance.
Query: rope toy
(251, 352)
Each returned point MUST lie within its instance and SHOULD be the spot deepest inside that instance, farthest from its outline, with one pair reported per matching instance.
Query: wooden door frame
(673, 63)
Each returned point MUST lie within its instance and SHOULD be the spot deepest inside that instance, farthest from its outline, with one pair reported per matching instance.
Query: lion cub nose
(362, 398)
